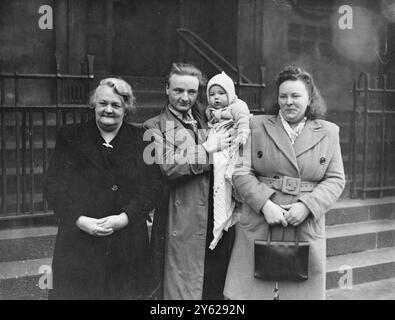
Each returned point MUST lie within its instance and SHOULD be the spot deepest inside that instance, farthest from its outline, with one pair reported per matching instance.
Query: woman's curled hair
(317, 107)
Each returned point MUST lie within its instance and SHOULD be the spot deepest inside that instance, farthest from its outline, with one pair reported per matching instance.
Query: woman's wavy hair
(122, 89)
(317, 107)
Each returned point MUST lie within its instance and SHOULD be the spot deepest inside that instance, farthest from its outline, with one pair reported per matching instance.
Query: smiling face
(182, 91)
(218, 97)
(293, 100)
(109, 109)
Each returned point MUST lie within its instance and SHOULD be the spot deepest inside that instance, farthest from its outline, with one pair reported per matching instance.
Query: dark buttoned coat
(79, 182)
(314, 157)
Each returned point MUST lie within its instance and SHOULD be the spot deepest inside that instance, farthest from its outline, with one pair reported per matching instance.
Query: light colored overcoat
(315, 157)
(185, 166)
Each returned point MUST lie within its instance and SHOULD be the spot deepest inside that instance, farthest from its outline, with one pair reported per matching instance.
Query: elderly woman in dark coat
(290, 176)
(94, 186)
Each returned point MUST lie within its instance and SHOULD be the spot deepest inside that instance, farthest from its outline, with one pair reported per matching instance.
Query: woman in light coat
(290, 175)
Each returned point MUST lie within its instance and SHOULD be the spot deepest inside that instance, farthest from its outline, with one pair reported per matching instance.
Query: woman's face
(109, 109)
(293, 100)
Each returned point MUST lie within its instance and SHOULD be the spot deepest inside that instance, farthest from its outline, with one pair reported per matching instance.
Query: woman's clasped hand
(102, 227)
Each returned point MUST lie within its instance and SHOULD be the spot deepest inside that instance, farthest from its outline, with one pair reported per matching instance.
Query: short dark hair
(186, 69)
(317, 107)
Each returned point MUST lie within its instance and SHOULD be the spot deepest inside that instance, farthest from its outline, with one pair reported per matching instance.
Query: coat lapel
(311, 134)
(169, 124)
(277, 133)
(199, 115)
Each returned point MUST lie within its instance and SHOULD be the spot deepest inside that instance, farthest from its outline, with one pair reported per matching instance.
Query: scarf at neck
(292, 133)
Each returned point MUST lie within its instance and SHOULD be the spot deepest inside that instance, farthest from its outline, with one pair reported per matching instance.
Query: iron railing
(372, 137)
(206, 51)
(246, 89)
(28, 134)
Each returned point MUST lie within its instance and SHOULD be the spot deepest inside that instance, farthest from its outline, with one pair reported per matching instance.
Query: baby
(225, 110)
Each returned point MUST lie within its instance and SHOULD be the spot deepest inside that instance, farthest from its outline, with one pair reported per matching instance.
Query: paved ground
(378, 290)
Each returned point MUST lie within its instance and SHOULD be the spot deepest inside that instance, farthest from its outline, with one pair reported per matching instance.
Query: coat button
(177, 203)
(259, 154)
(174, 233)
(114, 187)
(322, 160)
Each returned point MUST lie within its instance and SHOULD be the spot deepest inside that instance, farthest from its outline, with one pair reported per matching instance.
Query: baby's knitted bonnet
(223, 80)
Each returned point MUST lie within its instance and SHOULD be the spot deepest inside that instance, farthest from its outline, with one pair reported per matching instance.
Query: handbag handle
(296, 241)
(296, 236)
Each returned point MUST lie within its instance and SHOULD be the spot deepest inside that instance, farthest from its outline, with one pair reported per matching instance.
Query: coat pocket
(315, 229)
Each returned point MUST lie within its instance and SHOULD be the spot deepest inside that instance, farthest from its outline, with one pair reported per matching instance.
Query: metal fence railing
(372, 138)
(246, 89)
(28, 134)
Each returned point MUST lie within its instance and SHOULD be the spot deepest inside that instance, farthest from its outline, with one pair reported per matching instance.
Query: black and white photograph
(213, 152)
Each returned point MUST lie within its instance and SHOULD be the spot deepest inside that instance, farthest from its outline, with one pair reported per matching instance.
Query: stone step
(23, 279)
(375, 290)
(27, 243)
(34, 243)
(360, 267)
(356, 210)
(25, 250)
(361, 236)
(31, 242)
(341, 239)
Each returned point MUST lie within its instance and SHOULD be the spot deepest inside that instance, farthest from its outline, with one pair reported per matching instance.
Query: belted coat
(315, 157)
(81, 181)
(186, 171)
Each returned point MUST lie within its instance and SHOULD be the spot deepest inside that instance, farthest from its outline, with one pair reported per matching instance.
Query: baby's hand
(242, 140)
(216, 114)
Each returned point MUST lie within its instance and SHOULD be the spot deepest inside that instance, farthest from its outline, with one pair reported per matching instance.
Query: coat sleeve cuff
(258, 203)
(311, 205)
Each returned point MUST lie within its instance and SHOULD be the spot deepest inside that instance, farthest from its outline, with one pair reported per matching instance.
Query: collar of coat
(312, 134)
(89, 142)
(169, 122)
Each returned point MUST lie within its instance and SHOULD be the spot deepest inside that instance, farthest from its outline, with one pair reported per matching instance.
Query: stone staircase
(360, 252)
(25, 254)
(360, 244)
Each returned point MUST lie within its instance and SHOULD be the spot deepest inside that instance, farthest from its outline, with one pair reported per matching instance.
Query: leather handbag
(281, 260)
